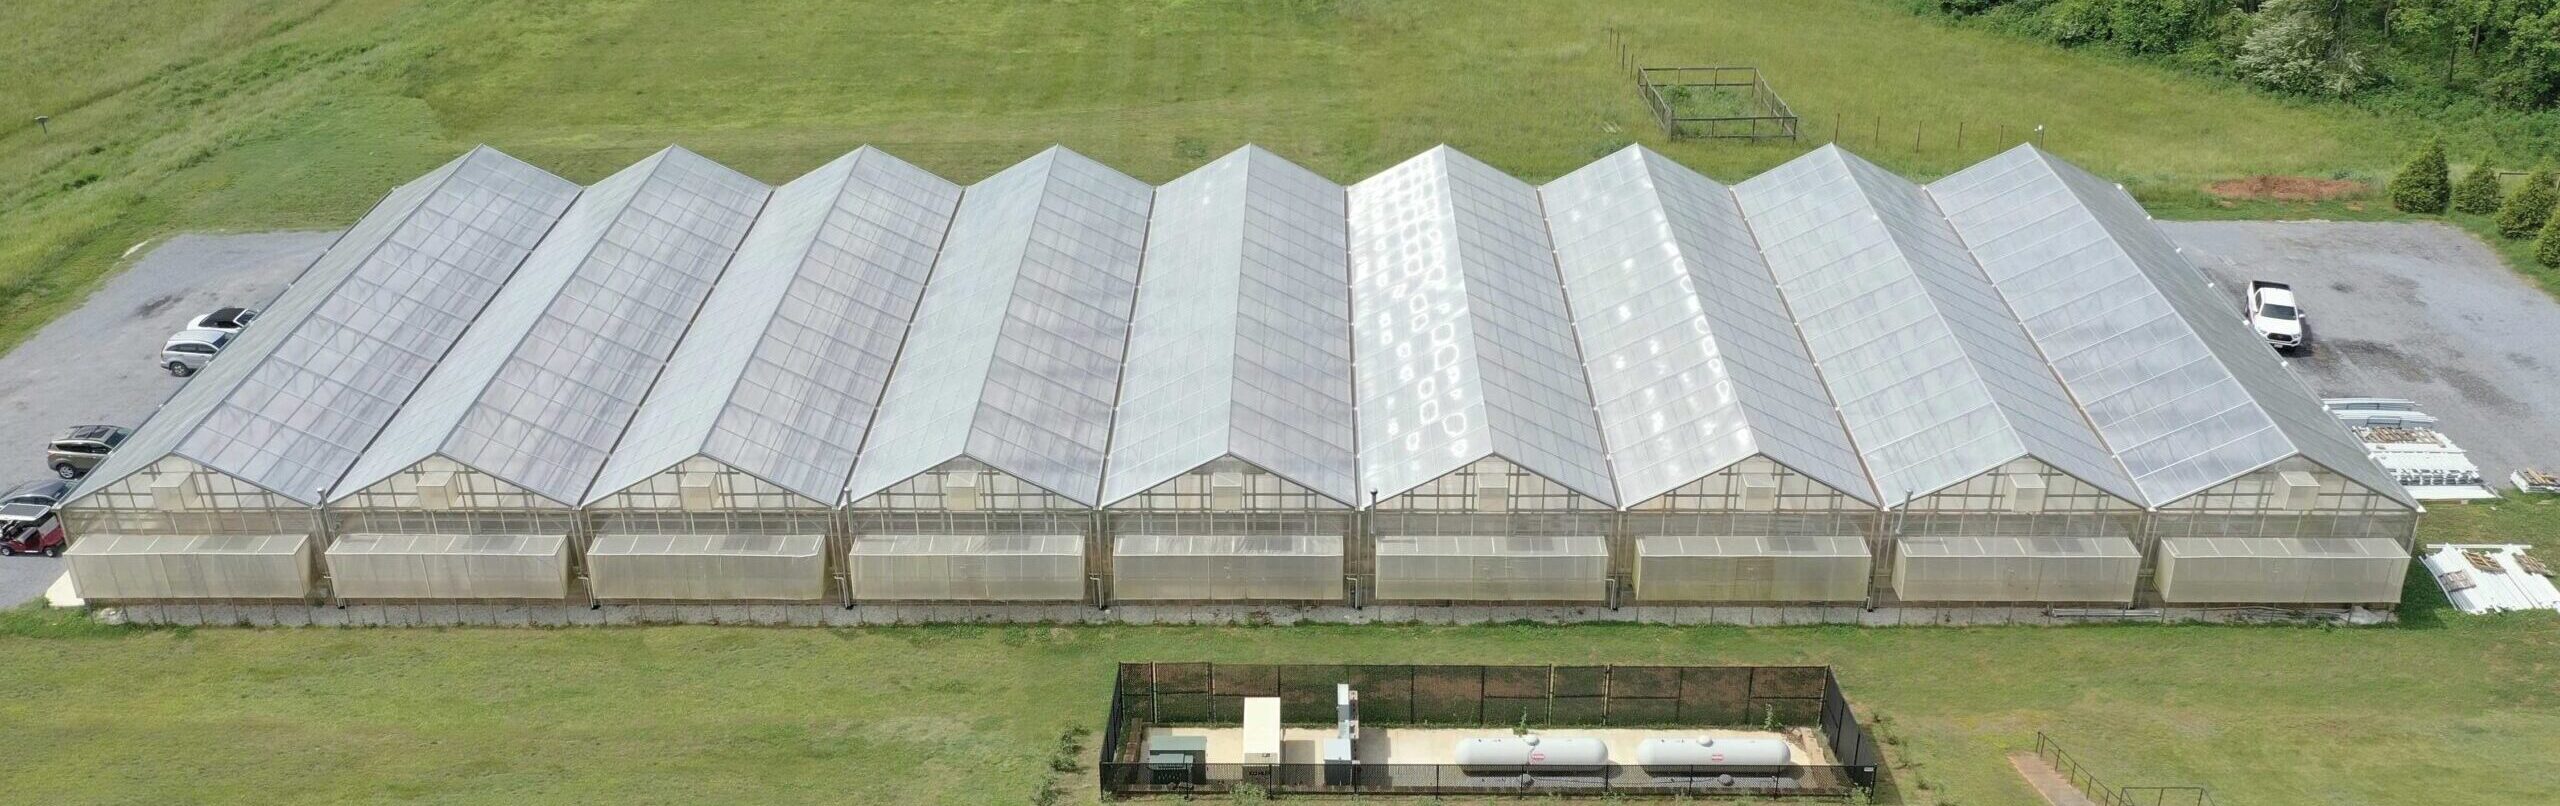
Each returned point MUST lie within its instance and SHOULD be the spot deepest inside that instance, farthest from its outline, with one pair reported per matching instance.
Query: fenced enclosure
(2080, 778)
(1773, 698)
(1721, 102)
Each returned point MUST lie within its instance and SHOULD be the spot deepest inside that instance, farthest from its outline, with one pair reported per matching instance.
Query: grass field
(969, 715)
(242, 114)
(258, 114)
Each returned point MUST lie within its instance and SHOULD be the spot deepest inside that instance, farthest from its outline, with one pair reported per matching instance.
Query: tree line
(2504, 53)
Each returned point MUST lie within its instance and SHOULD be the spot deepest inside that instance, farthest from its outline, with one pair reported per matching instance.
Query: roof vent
(699, 492)
(1759, 492)
(960, 492)
(1493, 492)
(2023, 494)
(170, 492)
(2295, 491)
(435, 490)
(1226, 491)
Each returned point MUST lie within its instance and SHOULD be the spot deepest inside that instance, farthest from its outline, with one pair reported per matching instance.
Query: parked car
(188, 352)
(227, 320)
(2272, 311)
(48, 492)
(30, 529)
(80, 449)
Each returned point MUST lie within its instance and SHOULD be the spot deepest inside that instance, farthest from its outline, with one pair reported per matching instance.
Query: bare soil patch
(2267, 187)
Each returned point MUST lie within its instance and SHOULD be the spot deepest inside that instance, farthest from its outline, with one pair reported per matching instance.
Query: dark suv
(80, 449)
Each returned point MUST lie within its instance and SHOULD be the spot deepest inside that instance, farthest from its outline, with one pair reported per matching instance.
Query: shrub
(2528, 207)
(2478, 193)
(2546, 249)
(2425, 185)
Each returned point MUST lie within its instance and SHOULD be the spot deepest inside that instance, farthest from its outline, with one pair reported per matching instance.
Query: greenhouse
(1440, 384)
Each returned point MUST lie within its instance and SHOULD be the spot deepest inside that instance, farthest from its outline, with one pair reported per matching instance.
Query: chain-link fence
(1754, 697)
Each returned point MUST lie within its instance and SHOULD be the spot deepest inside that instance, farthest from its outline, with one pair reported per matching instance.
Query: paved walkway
(2046, 782)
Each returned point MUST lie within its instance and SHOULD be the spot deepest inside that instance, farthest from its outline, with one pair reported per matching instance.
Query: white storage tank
(1720, 754)
(1534, 752)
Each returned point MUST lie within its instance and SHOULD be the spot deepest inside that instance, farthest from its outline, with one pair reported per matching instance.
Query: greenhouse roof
(1241, 340)
(1621, 332)
(812, 309)
(1464, 348)
(1935, 378)
(1690, 351)
(295, 400)
(1014, 360)
(2118, 312)
(539, 389)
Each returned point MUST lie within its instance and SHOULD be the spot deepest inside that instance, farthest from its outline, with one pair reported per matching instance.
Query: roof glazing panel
(539, 389)
(1935, 378)
(1014, 359)
(808, 319)
(1691, 353)
(2184, 393)
(1241, 339)
(1464, 347)
(294, 402)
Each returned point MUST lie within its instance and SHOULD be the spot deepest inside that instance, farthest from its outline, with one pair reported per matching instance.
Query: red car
(30, 529)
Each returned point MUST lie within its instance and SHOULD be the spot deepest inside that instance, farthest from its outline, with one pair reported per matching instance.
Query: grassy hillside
(272, 113)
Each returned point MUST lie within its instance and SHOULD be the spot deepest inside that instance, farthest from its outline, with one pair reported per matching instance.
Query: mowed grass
(969, 715)
(256, 114)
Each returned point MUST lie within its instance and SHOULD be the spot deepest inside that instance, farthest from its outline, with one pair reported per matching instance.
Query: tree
(2478, 193)
(2529, 207)
(2302, 46)
(2546, 250)
(2425, 185)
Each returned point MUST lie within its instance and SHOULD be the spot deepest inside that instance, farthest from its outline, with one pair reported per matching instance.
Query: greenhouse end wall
(1752, 569)
(968, 568)
(2199, 570)
(1476, 568)
(2010, 569)
(690, 567)
(117, 568)
(1227, 568)
(377, 567)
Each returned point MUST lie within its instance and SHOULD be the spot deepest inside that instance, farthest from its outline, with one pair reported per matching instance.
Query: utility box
(1177, 760)
(1261, 730)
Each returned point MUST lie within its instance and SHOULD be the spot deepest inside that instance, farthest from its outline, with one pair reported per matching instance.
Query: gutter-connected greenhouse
(1439, 386)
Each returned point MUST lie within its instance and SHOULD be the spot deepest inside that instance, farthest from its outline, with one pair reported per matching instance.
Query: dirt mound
(2285, 188)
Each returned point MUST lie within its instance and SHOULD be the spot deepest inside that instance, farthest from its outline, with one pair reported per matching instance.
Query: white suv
(188, 352)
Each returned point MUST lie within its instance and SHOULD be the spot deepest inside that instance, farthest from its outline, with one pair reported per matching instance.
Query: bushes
(2546, 251)
(2425, 185)
(2526, 211)
(2478, 193)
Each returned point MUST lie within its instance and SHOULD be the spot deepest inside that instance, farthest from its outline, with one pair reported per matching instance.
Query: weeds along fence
(1151, 695)
(2080, 778)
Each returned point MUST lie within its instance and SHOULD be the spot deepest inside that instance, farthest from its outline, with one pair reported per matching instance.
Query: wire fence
(2080, 778)
(1770, 697)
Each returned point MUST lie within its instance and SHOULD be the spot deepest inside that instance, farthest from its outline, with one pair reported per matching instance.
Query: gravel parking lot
(97, 364)
(2411, 310)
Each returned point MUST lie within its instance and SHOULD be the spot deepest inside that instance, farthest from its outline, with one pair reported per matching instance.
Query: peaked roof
(1690, 350)
(2186, 396)
(1936, 379)
(1014, 359)
(294, 401)
(804, 327)
(1464, 347)
(538, 390)
(1240, 343)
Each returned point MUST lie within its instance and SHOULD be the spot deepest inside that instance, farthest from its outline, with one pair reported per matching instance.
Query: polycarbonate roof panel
(1240, 343)
(1690, 351)
(539, 389)
(1014, 359)
(800, 333)
(296, 398)
(1935, 378)
(2186, 395)
(1463, 344)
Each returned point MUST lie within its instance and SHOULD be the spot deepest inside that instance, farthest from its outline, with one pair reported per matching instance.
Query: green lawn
(258, 114)
(252, 114)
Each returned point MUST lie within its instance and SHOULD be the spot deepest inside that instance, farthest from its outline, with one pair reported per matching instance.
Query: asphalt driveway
(2421, 311)
(98, 364)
